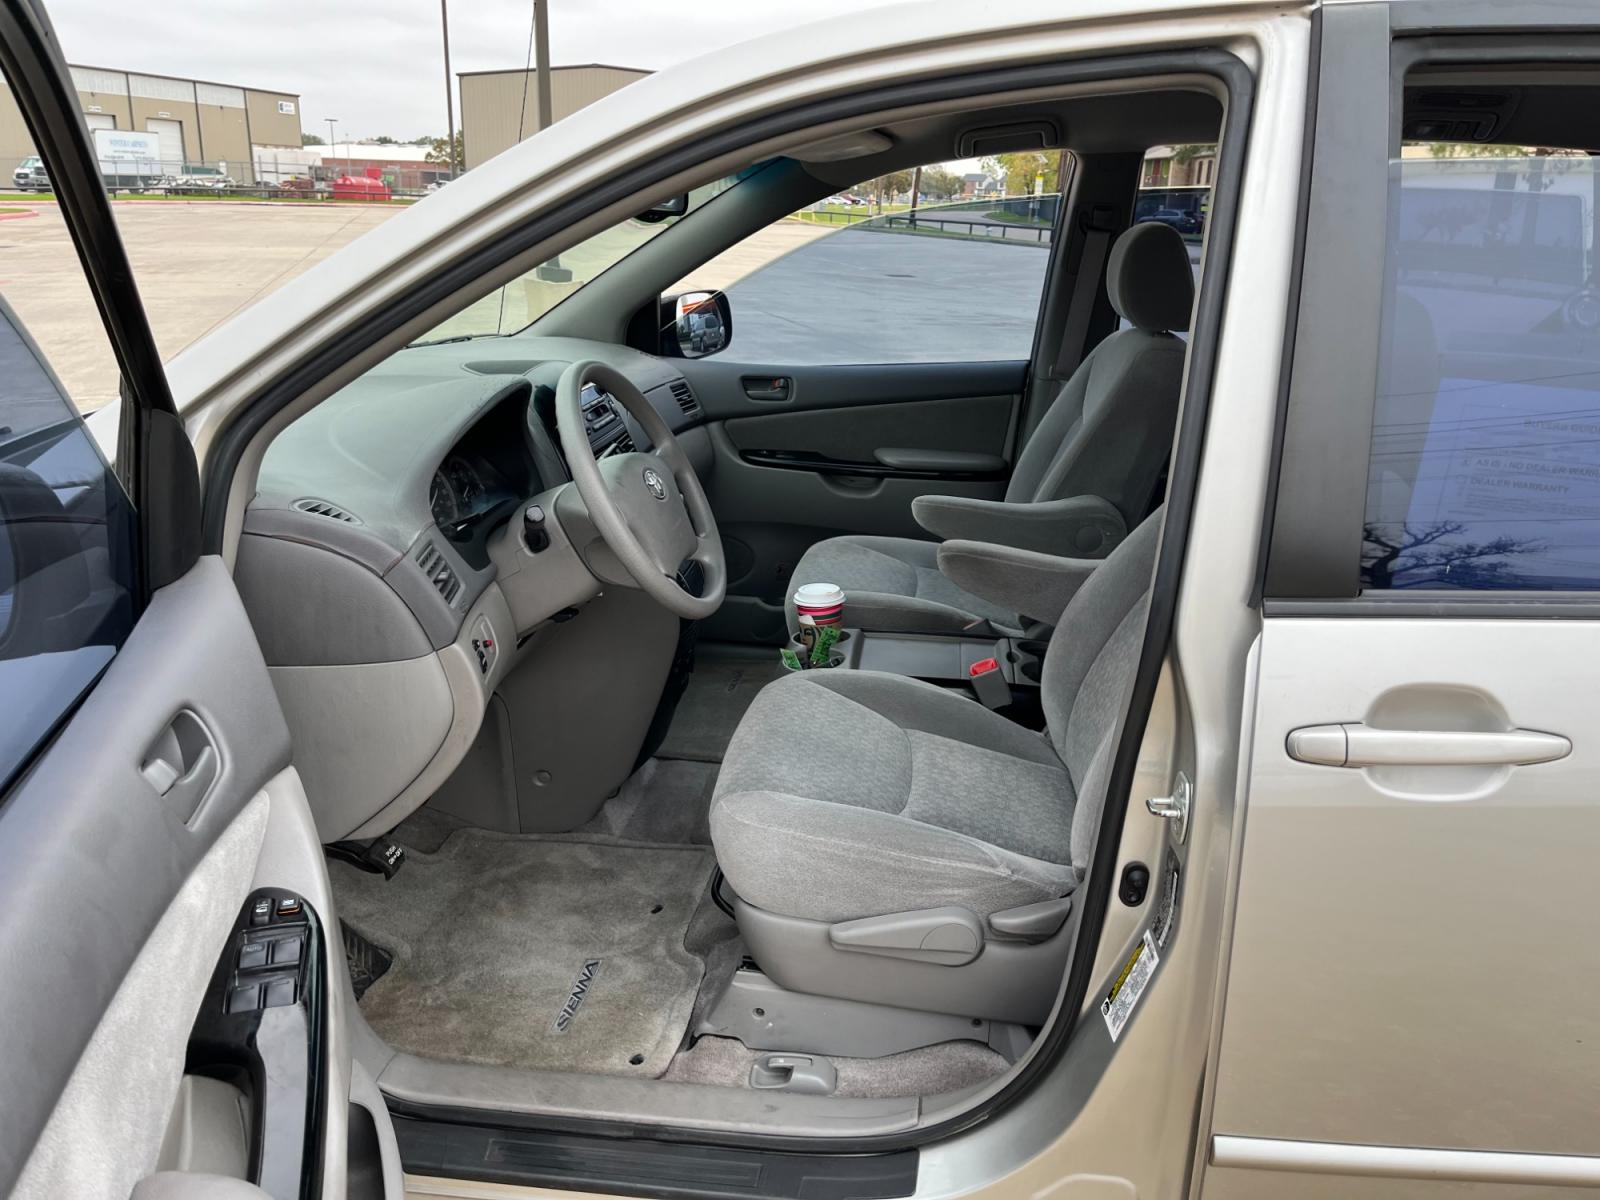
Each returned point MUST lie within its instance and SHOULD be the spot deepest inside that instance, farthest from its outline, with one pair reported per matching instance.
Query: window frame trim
(1306, 571)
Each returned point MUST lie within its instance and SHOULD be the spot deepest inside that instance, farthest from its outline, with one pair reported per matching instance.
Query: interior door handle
(767, 387)
(182, 764)
(1358, 745)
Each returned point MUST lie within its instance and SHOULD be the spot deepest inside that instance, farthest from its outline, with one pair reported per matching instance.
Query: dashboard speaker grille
(684, 395)
(321, 508)
(439, 572)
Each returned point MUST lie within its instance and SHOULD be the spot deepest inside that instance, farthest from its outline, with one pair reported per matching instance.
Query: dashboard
(383, 566)
(439, 446)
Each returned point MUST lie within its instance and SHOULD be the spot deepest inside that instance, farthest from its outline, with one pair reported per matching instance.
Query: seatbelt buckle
(989, 683)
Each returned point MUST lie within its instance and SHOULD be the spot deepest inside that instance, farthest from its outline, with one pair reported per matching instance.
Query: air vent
(439, 572)
(684, 395)
(322, 508)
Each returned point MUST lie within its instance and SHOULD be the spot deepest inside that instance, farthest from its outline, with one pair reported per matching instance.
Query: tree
(1407, 556)
(387, 141)
(1186, 154)
(310, 139)
(1019, 170)
(940, 184)
(439, 151)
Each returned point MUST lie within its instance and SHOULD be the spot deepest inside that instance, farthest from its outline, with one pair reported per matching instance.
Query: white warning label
(1119, 1003)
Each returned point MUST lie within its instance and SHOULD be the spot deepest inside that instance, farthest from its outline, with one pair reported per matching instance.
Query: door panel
(146, 785)
(1413, 964)
(98, 871)
(828, 429)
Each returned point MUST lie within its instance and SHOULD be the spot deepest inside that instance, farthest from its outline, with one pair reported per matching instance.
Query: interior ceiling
(1088, 124)
(1524, 113)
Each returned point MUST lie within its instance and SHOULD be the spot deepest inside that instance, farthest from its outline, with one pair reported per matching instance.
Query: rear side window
(66, 548)
(1485, 466)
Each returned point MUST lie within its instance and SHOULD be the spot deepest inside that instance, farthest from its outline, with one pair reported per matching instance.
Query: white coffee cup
(822, 602)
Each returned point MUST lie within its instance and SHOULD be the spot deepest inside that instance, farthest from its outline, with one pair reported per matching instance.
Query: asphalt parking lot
(860, 295)
(196, 264)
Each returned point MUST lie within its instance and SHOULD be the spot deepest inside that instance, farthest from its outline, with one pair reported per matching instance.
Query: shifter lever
(533, 530)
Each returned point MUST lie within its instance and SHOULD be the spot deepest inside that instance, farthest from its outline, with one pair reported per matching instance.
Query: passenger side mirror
(672, 206)
(695, 324)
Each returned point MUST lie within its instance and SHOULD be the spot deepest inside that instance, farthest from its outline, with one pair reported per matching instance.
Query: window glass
(528, 297)
(66, 548)
(1485, 466)
(866, 276)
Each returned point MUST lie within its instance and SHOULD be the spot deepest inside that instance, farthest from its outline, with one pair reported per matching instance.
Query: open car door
(170, 957)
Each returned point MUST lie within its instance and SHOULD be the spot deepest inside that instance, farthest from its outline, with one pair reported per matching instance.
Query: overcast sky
(377, 65)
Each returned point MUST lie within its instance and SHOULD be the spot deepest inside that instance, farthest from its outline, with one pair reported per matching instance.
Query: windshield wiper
(445, 341)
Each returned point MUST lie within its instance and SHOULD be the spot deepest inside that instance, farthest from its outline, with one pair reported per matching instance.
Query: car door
(1410, 994)
(875, 356)
(171, 961)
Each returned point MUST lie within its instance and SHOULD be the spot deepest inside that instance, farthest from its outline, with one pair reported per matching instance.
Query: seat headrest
(1149, 279)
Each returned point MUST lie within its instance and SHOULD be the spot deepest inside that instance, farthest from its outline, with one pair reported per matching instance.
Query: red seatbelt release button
(989, 684)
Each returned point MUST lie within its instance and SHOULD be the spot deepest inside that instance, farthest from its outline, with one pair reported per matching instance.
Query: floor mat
(722, 687)
(525, 952)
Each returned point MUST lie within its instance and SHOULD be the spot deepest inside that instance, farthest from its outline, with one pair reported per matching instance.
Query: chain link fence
(273, 175)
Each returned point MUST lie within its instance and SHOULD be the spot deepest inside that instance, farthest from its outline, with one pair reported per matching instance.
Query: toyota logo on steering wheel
(658, 489)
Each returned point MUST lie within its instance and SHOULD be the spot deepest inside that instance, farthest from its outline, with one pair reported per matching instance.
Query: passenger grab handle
(1357, 745)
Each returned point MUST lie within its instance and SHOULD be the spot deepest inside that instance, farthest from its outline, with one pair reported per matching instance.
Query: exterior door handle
(1358, 745)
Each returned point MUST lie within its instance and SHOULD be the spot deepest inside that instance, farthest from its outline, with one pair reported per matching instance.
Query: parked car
(31, 175)
(1182, 219)
(416, 772)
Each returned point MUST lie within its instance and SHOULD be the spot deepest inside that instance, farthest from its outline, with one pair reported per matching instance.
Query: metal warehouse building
(498, 106)
(197, 122)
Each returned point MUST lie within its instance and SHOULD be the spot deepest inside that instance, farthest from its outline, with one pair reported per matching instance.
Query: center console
(1001, 671)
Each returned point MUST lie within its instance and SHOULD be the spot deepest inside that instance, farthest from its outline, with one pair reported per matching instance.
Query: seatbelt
(1099, 224)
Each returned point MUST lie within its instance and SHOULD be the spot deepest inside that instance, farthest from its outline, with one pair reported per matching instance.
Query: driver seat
(895, 842)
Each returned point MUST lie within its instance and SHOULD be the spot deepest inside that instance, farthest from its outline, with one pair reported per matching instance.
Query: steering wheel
(649, 508)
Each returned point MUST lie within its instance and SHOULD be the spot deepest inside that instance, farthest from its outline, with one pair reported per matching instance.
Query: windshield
(525, 299)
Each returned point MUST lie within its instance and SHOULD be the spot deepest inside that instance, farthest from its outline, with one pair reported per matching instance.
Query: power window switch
(245, 999)
(252, 955)
(279, 993)
(286, 951)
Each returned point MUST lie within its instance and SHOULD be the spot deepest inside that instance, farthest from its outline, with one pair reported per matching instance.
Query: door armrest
(1076, 527)
(941, 462)
(1035, 585)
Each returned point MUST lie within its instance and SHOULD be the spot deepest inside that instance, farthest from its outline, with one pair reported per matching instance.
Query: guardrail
(990, 229)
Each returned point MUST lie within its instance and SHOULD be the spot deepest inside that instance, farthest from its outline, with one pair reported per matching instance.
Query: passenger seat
(1088, 474)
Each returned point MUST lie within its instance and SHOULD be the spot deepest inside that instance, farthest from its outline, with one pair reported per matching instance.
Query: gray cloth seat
(853, 794)
(1107, 434)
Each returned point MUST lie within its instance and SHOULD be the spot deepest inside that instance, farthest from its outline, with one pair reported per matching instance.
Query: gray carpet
(725, 682)
(724, 1062)
(666, 802)
(494, 933)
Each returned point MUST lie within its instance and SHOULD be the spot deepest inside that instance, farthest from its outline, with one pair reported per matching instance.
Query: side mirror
(672, 206)
(695, 324)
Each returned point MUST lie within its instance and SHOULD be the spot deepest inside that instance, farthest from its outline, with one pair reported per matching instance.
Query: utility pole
(541, 57)
(449, 89)
(330, 121)
(916, 186)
